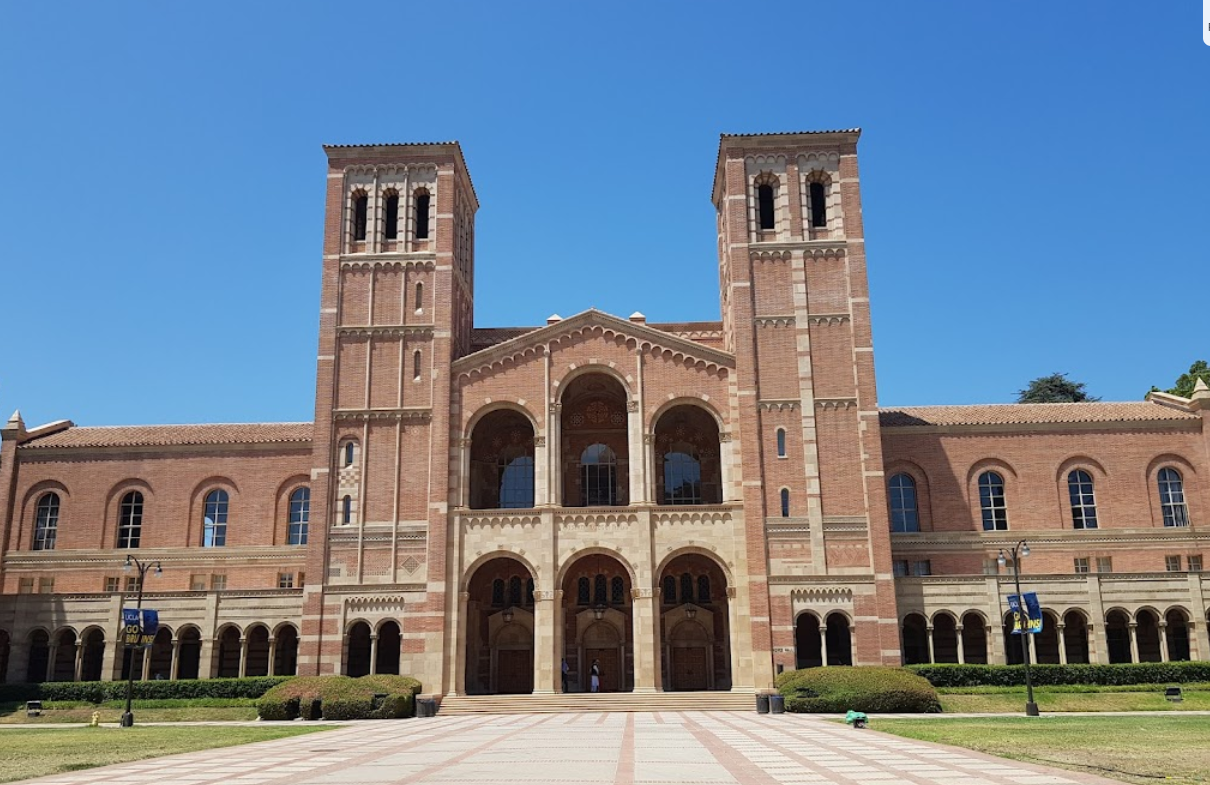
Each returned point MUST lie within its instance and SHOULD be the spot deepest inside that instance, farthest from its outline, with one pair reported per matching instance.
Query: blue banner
(1029, 618)
(151, 625)
(132, 631)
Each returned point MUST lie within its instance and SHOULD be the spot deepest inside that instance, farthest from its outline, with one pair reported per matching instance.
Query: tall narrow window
(300, 516)
(1083, 503)
(361, 205)
(1172, 497)
(416, 365)
(516, 479)
(682, 478)
(703, 589)
(600, 590)
(422, 215)
(214, 519)
(669, 590)
(617, 591)
(598, 468)
(390, 229)
(819, 206)
(349, 454)
(686, 587)
(498, 593)
(130, 520)
(583, 591)
(346, 510)
(992, 502)
(785, 502)
(781, 442)
(46, 522)
(764, 206)
(905, 514)
(514, 591)
(419, 297)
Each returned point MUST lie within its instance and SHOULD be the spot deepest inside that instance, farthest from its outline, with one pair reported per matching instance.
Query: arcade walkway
(585, 749)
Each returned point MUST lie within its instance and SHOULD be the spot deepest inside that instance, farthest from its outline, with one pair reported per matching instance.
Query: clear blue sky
(1035, 179)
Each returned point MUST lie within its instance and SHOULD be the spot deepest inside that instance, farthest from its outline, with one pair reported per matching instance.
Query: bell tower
(796, 313)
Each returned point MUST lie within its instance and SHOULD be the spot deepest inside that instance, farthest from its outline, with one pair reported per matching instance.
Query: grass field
(1011, 700)
(36, 752)
(181, 710)
(1132, 749)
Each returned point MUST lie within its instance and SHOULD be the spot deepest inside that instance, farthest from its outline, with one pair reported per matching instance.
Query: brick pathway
(660, 748)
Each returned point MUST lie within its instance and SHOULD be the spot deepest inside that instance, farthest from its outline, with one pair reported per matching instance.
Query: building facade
(689, 506)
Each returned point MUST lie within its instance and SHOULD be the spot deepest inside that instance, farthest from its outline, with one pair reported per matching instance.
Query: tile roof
(1029, 414)
(165, 435)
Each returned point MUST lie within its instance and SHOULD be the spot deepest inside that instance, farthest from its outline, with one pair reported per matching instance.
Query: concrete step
(598, 702)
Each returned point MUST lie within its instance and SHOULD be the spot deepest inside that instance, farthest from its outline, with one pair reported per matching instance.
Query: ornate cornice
(773, 321)
(828, 319)
(361, 262)
(404, 414)
(778, 406)
(835, 403)
(392, 331)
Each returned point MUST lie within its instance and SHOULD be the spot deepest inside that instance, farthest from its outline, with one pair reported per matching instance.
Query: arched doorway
(595, 450)
(64, 668)
(228, 653)
(808, 646)
(974, 639)
(945, 638)
(161, 654)
(500, 628)
(915, 640)
(39, 656)
(1047, 640)
(357, 652)
(1148, 632)
(695, 624)
(1075, 637)
(93, 656)
(257, 642)
(1117, 635)
(388, 648)
(598, 623)
(285, 654)
(687, 457)
(839, 639)
(189, 653)
(1178, 635)
(502, 462)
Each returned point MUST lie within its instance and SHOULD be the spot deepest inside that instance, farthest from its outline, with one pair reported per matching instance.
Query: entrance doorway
(598, 623)
(499, 631)
(695, 627)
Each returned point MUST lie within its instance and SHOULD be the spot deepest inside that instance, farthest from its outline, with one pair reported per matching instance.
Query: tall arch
(502, 461)
(1117, 635)
(160, 655)
(38, 646)
(228, 652)
(1147, 635)
(1075, 637)
(389, 639)
(64, 666)
(189, 653)
(695, 633)
(1047, 641)
(945, 638)
(257, 647)
(598, 621)
(596, 446)
(838, 636)
(499, 633)
(1177, 633)
(808, 645)
(915, 639)
(974, 638)
(358, 646)
(688, 463)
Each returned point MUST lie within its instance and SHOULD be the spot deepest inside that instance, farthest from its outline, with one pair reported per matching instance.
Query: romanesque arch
(808, 645)
(1075, 637)
(974, 638)
(1047, 641)
(499, 637)
(502, 461)
(1117, 636)
(228, 651)
(695, 623)
(595, 450)
(358, 644)
(38, 646)
(389, 640)
(285, 650)
(914, 632)
(256, 643)
(1177, 633)
(838, 637)
(63, 668)
(598, 621)
(688, 466)
(189, 653)
(1147, 635)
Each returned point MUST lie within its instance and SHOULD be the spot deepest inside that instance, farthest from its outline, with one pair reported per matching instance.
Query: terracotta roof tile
(165, 435)
(1029, 414)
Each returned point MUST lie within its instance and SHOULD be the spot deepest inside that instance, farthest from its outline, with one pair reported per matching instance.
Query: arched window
(1172, 497)
(785, 502)
(703, 589)
(669, 590)
(617, 591)
(498, 593)
(361, 205)
(1083, 503)
(419, 297)
(516, 478)
(422, 215)
(46, 522)
(583, 591)
(514, 590)
(416, 365)
(682, 477)
(214, 519)
(349, 449)
(598, 467)
(819, 206)
(600, 590)
(130, 520)
(686, 587)
(764, 206)
(390, 229)
(992, 502)
(905, 515)
(781, 442)
(300, 516)
(346, 510)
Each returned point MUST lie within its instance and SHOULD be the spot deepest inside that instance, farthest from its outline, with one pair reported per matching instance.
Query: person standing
(566, 670)
(596, 675)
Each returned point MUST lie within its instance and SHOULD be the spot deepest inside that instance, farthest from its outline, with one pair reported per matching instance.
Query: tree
(1056, 388)
(1186, 381)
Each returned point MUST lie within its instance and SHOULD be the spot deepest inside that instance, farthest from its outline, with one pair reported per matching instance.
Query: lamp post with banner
(134, 630)
(1021, 619)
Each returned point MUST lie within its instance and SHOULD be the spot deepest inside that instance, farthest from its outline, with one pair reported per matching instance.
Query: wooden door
(611, 668)
(689, 668)
(514, 671)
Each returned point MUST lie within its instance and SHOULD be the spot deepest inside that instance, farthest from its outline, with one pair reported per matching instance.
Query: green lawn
(1132, 749)
(1008, 700)
(37, 752)
(179, 710)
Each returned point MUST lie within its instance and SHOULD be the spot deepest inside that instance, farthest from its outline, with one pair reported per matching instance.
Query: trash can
(777, 704)
(33, 708)
(426, 707)
(762, 704)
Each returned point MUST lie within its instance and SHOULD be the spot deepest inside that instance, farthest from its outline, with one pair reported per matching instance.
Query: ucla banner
(132, 631)
(151, 625)
(1029, 618)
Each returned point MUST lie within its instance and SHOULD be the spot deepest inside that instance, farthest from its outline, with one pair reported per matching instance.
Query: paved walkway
(659, 748)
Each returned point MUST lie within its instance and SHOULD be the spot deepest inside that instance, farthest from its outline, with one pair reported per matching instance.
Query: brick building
(693, 506)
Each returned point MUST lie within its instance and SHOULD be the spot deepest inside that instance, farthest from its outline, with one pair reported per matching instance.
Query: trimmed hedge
(101, 691)
(845, 688)
(1045, 675)
(340, 698)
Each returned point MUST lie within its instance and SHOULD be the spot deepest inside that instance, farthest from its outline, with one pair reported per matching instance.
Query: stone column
(243, 656)
(52, 659)
(634, 439)
(991, 646)
(545, 673)
(1163, 641)
(823, 645)
(373, 653)
(645, 612)
(929, 630)
(460, 640)
(1095, 647)
(1031, 646)
(79, 666)
(541, 473)
(560, 627)
(205, 665)
(464, 472)
(176, 659)
(1062, 628)
(961, 645)
(1134, 641)
(555, 449)
(1199, 646)
(146, 664)
(272, 657)
(110, 659)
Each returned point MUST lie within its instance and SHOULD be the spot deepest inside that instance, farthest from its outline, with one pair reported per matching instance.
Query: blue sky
(1033, 178)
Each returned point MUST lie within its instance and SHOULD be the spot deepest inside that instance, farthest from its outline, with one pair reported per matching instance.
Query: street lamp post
(1020, 551)
(128, 717)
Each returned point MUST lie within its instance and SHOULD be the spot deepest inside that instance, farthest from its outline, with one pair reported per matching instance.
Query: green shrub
(1049, 675)
(341, 697)
(101, 691)
(868, 689)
